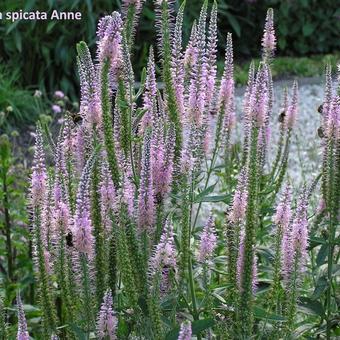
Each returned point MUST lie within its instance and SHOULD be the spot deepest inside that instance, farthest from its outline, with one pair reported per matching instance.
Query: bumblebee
(282, 117)
(321, 133)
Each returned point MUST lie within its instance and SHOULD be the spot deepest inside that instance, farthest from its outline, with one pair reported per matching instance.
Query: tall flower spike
(247, 110)
(283, 211)
(185, 331)
(131, 10)
(162, 150)
(208, 241)
(332, 127)
(90, 107)
(259, 98)
(300, 229)
(269, 40)
(240, 266)
(165, 252)
(226, 94)
(190, 55)
(107, 321)
(146, 204)
(197, 89)
(211, 56)
(128, 191)
(109, 34)
(163, 16)
(328, 94)
(238, 209)
(150, 94)
(107, 195)
(22, 324)
(177, 62)
(295, 238)
(292, 108)
(84, 239)
(39, 175)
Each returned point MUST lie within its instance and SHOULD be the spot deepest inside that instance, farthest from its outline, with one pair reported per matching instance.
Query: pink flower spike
(190, 56)
(22, 323)
(208, 241)
(332, 126)
(107, 321)
(300, 230)
(83, 238)
(128, 191)
(150, 94)
(108, 197)
(239, 206)
(146, 204)
(39, 175)
(292, 108)
(283, 211)
(269, 40)
(259, 99)
(185, 332)
(295, 239)
(165, 252)
(109, 33)
(162, 152)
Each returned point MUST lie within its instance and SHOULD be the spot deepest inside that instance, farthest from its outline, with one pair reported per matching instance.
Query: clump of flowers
(117, 201)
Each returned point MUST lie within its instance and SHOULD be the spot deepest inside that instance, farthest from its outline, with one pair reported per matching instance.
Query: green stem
(331, 207)
(108, 123)
(292, 293)
(209, 172)
(279, 153)
(167, 78)
(190, 271)
(87, 298)
(7, 226)
(246, 302)
(98, 232)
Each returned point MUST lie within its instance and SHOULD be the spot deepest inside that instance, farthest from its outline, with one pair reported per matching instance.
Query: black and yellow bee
(321, 132)
(69, 239)
(282, 117)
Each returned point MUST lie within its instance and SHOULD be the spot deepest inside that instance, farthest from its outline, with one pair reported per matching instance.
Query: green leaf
(123, 329)
(322, 255)
(18, 41)
(201, 325)
(320, 287)
(302, 329)
(316, 241)
(234, 23)
(50, 26)
(336, 269)
(219, 297)
(282, 43)
(311, 307)
(218, 198)
(81, 335)
(204, 193)
(260, 313)
(308, 29)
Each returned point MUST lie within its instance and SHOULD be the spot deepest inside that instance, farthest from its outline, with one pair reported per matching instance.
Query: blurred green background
(41, 54)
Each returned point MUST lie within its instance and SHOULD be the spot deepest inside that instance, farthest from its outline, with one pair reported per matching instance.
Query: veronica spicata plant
(123, 245)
